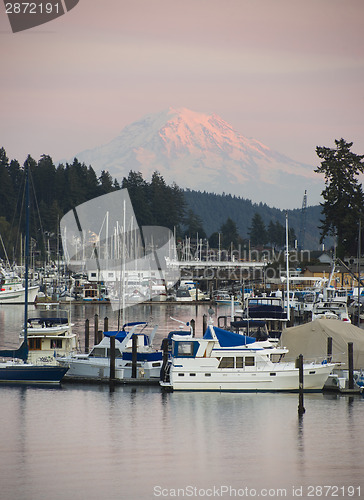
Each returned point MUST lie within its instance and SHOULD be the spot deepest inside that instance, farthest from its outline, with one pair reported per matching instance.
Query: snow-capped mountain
(203, 152)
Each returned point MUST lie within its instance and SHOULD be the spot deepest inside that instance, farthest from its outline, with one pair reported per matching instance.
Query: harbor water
(84, 442)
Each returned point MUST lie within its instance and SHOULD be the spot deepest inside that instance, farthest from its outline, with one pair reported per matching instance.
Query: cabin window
(192, 374)
(35, 344)
(118, 354)
(156, 364)
(275, 358)
(185, 348)
(249, 361)
(239, 362)
(226, 362)
(97, 352)
(181, 374)
(56, 343)
(207, 374)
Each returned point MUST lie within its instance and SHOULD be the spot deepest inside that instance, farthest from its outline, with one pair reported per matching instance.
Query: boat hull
(315, 377)
(31, 374)
(17, 296)
(99, 369)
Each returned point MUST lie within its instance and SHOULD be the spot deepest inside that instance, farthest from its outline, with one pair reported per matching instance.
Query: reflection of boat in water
(50, 335)
(96, 364)
(226, 361)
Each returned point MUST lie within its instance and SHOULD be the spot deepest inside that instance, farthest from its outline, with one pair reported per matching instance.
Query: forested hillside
(57, 189)
(214, 209)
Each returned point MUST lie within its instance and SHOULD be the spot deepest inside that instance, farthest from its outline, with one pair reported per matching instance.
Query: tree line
(58, 189)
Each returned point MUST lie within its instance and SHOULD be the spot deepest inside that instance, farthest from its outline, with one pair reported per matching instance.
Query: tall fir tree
(343, 196)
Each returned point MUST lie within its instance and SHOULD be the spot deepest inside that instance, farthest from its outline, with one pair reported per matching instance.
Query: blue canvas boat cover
(228, 339)
(121, 334)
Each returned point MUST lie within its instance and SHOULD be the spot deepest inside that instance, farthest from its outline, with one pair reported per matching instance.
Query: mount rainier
(203, 152)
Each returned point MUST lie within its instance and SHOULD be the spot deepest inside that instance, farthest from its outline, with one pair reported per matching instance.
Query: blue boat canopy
(228, 339)
(120, 335)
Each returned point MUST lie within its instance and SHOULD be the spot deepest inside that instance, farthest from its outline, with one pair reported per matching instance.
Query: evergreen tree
(138, 191)
(194, 226)
(106, 183)
(343, 196)
(7, 197)
(214, 240)
(257, 231)
(229, 234)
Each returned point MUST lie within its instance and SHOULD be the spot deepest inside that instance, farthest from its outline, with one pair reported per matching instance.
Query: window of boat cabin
(249, 361)
(239, 362)
(35, 344)
(276, 357)
(97, 352)
(226, 362)
(118, 354)
(56, 343)
(185, 348)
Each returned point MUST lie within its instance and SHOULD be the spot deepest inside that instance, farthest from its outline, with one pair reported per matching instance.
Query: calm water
(83, 442)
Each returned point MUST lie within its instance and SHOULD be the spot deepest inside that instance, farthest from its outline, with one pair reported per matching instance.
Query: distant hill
(214, 209)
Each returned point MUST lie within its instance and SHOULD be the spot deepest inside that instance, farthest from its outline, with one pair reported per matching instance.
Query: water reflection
(83, 441)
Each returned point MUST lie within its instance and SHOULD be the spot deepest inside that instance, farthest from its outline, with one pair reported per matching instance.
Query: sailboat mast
(27, 210)
(287, 269)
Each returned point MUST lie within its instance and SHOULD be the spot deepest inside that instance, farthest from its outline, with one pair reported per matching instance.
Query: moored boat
(12, 289)
(96, 364)
(226, 361)
(49, 335)
(17, 369)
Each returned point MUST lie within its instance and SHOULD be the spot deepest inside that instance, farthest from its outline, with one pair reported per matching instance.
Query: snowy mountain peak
(203, 152)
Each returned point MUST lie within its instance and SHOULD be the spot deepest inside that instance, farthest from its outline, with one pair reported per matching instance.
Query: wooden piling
(329, 349)
(193, 326)
(301, 408)
(134, 356)
(165, 358)
(351, 365)
(112, 363)
(99, 336)
(87, 336)
(204, 324)
(96, 328)
(106, 324)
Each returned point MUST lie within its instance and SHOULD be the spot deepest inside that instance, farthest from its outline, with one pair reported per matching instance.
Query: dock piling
(193, 326)
(351, 365)
(112, 362)
(301, 408)
(329, 349)
(96, 328)
(87, 336)
(204, 324)
(134, 356)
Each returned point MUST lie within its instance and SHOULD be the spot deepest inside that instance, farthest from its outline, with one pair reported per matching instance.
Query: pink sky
(289, 73)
